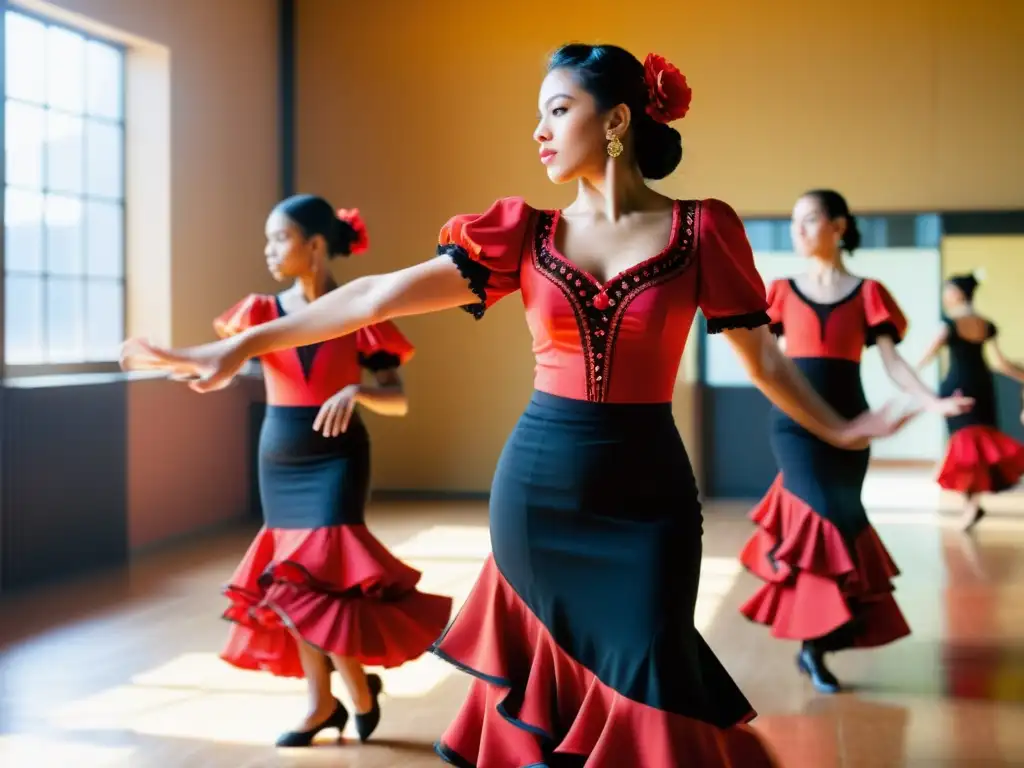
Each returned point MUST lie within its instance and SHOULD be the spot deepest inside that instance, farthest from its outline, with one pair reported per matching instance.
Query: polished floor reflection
(121, 671)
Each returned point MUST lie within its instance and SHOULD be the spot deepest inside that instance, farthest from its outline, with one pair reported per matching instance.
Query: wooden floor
(121, 671)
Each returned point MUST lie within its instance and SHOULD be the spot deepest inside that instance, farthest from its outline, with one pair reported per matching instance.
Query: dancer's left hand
(954, 405)
(336, 413)
(208, 367)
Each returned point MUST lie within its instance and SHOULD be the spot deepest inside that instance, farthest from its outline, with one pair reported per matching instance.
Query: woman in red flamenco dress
(827, 575)
(580, 633)
(317, 590)
(979, 458)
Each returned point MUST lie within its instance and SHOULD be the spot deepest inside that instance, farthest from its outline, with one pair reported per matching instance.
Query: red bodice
(840, 329)
(621, 341)
(310, 375)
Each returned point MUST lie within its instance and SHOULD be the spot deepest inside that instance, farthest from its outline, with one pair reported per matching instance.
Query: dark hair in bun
(613, 76)
(835, 207)
(315, 216)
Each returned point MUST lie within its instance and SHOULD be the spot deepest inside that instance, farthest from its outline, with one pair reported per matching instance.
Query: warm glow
(198, 696)
(30, 750)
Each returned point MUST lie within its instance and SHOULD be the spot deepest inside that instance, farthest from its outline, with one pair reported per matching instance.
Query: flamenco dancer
(316, 589)
(579, 631)
(827, 575)
(979, 458)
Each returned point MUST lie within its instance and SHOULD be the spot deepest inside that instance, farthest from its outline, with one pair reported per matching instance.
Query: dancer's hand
(336, 413)
(872, 425)
(953, 405)
(206, 367)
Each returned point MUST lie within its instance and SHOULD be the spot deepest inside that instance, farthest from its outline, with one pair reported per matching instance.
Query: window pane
(25, 44)
(23, 230)
(23, 319)
(65, 312)
(65, 75)
(104, 320)
(103, 72)
(23, 144)
(63, 235)
(104, 159)
(104, 239)
(64, 153)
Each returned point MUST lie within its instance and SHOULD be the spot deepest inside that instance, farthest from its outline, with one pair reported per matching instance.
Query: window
(64, 212)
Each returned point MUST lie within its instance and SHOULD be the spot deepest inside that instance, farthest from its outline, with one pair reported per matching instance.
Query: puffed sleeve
(250, 311)
(777, 291)
(382, 346)
(882, 314)
(487, 248)
(731, 292)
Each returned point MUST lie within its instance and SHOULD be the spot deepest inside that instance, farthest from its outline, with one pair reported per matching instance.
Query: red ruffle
(809, 594)
(530, 699)
(340, 589)
(981, 459)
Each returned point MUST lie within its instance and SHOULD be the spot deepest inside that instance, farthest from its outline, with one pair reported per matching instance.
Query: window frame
(15, 370)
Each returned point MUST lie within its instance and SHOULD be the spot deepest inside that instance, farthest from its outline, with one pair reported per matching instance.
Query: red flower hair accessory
(668, 95)
(351, 217)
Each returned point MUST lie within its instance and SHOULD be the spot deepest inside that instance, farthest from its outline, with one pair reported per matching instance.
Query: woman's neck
(827, 270)
(315, 284)
(964, 310)
(620, 190)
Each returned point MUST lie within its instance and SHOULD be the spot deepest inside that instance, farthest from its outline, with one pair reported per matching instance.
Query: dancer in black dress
(827, 575)
(979, 458)
(580, 630)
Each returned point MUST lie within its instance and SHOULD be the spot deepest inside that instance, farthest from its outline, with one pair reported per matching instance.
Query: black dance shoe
(367, 724)
(812, 664)
(338, 719)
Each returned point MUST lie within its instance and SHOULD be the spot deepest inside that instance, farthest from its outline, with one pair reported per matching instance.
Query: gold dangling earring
(614, 145)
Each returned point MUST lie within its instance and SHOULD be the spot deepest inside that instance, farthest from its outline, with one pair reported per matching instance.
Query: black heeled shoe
(367, 724)
(338, 719)
(812, 664)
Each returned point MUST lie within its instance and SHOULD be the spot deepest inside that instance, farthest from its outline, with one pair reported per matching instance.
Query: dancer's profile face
(289, 253)
(570, 130)
(814, 233)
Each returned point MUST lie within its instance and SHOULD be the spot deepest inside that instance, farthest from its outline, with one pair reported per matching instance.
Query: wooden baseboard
(901, 464)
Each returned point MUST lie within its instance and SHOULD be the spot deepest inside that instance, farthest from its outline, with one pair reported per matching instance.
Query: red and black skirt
(826, 575)
(981, 459)
(314, 568)
(580, 632)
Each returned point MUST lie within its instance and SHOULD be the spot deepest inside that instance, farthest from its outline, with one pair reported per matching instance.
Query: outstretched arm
(905, 377)
(430, 286)
(1002, 364)
(783, 383)
(933, 349)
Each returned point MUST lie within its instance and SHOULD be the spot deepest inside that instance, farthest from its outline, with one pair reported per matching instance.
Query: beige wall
(415, 111)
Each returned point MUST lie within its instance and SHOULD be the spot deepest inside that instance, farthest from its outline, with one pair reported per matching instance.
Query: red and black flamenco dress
(826, 575)
(979, 458)
(579, 633)
(315, 567)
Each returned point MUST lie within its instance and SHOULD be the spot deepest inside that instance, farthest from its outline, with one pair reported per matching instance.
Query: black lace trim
(777, 329)
(750, 320)
(875, 332)
(379, 361)
(475, 273)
